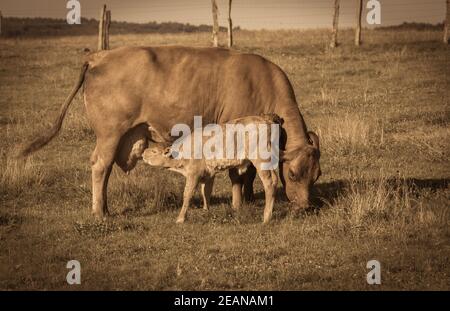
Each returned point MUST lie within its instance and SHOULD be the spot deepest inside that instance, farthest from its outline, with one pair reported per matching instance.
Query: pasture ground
(382, 114)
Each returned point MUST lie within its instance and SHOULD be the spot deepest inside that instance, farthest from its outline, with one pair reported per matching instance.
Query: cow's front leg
(189, 190)
(236, 187)
(102, 160)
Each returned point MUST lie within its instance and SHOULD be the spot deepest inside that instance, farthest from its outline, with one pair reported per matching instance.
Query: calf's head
(299, 170)
(158, 155)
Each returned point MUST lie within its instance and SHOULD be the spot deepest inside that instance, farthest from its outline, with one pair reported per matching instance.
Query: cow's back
(163, 86)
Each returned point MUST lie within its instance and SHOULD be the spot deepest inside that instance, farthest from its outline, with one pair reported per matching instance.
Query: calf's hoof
(180, 220)
(100, 215)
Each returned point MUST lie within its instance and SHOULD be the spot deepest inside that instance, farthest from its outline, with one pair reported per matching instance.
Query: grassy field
(382, 112)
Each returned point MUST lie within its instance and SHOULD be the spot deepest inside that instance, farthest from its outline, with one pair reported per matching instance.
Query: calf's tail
(45, 138)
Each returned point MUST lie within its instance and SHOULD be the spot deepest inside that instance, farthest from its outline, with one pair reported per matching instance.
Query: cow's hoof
(97, 215)
(236, 207)
(100, 215)
(180, 220)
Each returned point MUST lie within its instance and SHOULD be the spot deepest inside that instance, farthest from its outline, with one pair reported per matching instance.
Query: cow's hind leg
(102, 160)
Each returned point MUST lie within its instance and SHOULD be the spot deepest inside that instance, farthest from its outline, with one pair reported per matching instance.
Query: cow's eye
(291, 175)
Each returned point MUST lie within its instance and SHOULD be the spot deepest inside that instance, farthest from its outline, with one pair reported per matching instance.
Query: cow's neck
(294, 125)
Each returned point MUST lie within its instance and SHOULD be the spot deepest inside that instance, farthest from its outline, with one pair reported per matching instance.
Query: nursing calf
(236, 150)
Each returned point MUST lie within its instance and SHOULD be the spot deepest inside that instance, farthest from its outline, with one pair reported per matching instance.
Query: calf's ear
(169, 154)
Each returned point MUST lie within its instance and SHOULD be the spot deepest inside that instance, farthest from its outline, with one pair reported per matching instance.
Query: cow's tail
(45, 138)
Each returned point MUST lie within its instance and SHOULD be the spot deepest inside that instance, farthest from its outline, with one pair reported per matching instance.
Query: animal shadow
(325, 193)
(329, 192)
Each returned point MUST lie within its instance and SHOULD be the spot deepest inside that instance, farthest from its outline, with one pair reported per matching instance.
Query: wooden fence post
(333, 42)
(230, 26)
(101, 33)
(106, 29)
(215, 30)
(446, 24)
(359, 4)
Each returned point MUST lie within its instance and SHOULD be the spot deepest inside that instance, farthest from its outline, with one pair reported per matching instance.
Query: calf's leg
(207, 187)
(189, 190)
(270, 181)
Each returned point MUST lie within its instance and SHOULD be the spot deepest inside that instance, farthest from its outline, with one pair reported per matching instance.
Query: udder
(132, 146)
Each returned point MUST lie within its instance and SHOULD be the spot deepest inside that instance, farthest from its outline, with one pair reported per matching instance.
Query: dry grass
(350, 133)
(382, 114)
(19, 176)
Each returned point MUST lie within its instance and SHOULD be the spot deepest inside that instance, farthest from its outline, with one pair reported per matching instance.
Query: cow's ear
(314, 139)
(151, 151)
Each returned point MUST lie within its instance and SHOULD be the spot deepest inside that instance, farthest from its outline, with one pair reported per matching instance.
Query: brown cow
(128, 88)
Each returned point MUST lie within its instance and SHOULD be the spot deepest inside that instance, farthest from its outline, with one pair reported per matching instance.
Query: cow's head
(158, 155)
(299, 170)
